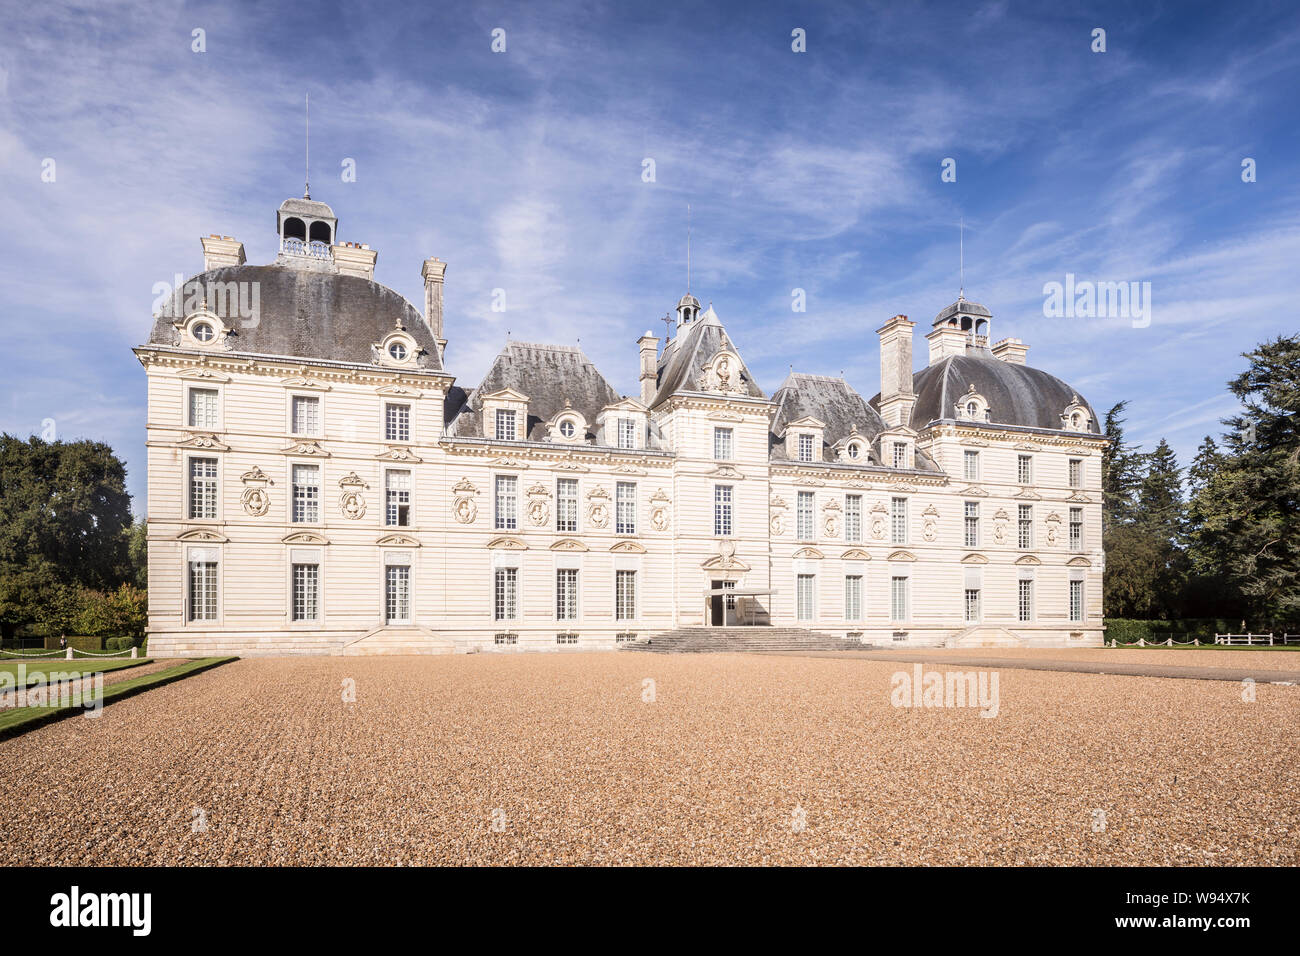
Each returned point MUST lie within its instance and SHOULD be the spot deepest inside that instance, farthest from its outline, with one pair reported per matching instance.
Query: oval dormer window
(566, 428)
(972, 410)
(855, 450)
(203, 331)
(398, 351)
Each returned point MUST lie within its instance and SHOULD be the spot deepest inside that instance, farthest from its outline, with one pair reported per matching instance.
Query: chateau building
(320, 482)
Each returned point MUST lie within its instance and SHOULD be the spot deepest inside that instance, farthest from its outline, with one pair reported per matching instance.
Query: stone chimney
(219, 251)
(649, 346)
(433, 272)
(355, 259)
(1011, 351)
(946, 340)
(896, 396)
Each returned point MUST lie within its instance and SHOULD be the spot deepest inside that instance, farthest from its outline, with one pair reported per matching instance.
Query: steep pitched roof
(831, 400)
(684, 358)
(549, 375)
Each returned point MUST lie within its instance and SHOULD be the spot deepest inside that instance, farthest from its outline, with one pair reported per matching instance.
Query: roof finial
(961, 258)
(669, 325)
(306, 189)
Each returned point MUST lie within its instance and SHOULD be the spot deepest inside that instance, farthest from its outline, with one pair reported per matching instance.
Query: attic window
(566, 428)
(972, 409)
(855, 450)
(202, 331)
(805, 447)
(398, 351)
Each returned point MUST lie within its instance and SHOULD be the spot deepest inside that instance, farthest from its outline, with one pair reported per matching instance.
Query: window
(1026, 526)
(566, 594)
(804, 516)
(397, 499)
(804, 587)
(853, 518)
(306, 493)
(507, 503)
(853, 597)
(397, 422)
(1076, 529)
(203, 331)
(203, 487)
(627, 433)
(203, 408)
(397, 593)
(203, 591)
(1025, 605)
(805, 447)
(722, 510)
(505, 638)
(625, 507)
(567, 428)
(506, 425)
(398, 351)
(1076, 600)
(898, 598)
(972, 459)
(305, 417)
(1076, 472)
(854, 450)
(722, 443)
(566, 504)
(566, 638)
(1025, 469)
(900, 454)
(306, 592)
(972, 604)
(898, 520)
(505, 604)
(625, 595)
(972, 524)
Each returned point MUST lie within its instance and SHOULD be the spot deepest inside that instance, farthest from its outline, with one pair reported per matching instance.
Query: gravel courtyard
(499, 759)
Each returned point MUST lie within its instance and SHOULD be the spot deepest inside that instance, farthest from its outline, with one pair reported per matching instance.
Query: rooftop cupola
(306, 227)
(688, 310)
(961, 326)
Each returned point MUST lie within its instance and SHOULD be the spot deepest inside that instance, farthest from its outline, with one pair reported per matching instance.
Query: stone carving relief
(1053, 527)
(722, 374)
(539, 510)
(352, 503)
(879, 520)
(659, 505)
(464, 509)
(255, 499)
(1000, 526)
(598, 507)
(930, 531)
(831, 518)
(778, 507)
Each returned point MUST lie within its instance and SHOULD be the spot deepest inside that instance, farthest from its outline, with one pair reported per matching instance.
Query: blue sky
(818, 171)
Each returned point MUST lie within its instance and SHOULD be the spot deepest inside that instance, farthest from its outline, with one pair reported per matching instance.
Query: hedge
(1129, 630)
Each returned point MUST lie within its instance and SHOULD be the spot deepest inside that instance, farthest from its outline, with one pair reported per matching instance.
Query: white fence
(1269, 640)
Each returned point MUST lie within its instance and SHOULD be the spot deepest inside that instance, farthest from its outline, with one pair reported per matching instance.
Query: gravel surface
(500, 759)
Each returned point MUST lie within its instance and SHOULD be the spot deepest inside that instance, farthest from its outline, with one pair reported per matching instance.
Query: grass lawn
(18, 720)
(74, 667)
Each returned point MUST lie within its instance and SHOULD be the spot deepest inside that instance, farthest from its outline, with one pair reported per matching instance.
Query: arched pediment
(627, 547)
(1027, 559)
(974, 558)
(305, 537)
(1078, 562)
(398, 540)
(902, 556)
(811, 553)
(507, 543)
(855, 554)
(202, 534)
(569, 544)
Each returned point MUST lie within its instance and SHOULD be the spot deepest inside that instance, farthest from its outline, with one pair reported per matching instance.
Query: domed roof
(311, 208)
(963, 306)
(1016, 394)
(688, 299)
(300, 313)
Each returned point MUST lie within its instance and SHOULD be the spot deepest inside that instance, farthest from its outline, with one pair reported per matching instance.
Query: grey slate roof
(684, 358)
(831, 400)
(1017, 394)
(306, 314)
(548, 375)
(965, 307)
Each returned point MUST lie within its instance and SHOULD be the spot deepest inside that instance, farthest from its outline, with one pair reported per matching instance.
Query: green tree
(1121, 471)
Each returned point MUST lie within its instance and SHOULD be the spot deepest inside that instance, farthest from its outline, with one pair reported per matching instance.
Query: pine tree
(1120, 472)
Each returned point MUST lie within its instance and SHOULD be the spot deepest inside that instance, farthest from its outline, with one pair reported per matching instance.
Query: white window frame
(1025, 469)
(853, 519)
(1075, 529)
(400, 597)
(898, 520)
(625, 596)
(970, 464)
(210, 579)
(805, 516)
(1025, 600)
(390, 502)
(900, 604)
(972, 600)
(971, 521)
(724, 443)
(853, 597)
(566, 594)
(900, 454)
(1025, 527)
(625, 507)
(723, 501)
(806, 448)
(505, 594)
(505, 502)
(805, 597)
(196, 496)
(1074, 472)
(307, 498)
(1077, 607)
(313, 429)
(398, 422)
(627, 433)
(304, 591)
(506, 424)
(566, 523)
(215, 409)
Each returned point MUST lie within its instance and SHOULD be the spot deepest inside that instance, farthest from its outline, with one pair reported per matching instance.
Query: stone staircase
(398, 640)
(984, 636)
(739, 640)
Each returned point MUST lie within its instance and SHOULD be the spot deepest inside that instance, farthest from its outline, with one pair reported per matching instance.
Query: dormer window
(567, 428)
(1076, 417)
(397, 351)
(805, 447)
(203, 331)
(900, 454)
(626, 433)
(855, 450)
(972, 409)
(506, 429)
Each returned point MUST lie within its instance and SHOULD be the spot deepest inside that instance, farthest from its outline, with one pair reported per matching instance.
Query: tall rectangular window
(853, 597)
(566, 504)
(1025, 524)
(625, 507)
(1025, 469)
(397, 593)
(203, 488)
(1076, 472)
(1025, 602)
(306, 415)
(1076, 600)
(306, 592)
(900, 454)
(625, 595)
(898, 520)
(627, 433)
(397, 499)
(506, 425)
(397, 422)
(566, 594)
(972, 459)
(853, 519)
(804, 596)
(507, 502)
(722, 510)
(203, 591)
(972, 524)
(805, 447)
(1076, 529)
(203, 408)
(803, 516)
(898, 598)
(306, 493)
(722, 443)
(505, 599)
(972, 605)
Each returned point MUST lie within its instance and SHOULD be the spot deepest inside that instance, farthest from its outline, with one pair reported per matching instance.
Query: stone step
(704, 640)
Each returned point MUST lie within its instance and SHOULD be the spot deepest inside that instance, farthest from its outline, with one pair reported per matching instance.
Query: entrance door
(717, 607)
